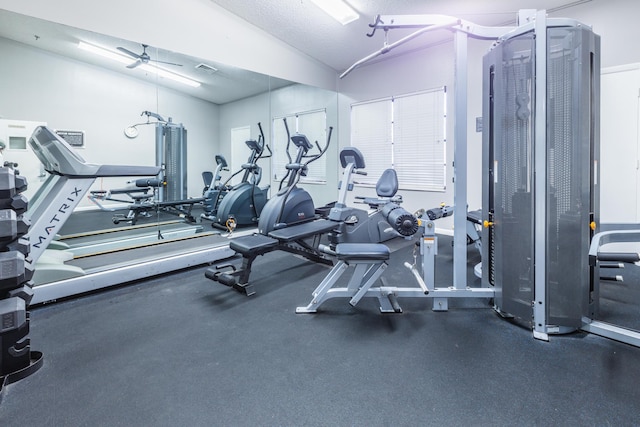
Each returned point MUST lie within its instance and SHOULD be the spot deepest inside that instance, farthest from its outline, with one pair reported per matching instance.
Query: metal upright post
(461, 30)
(460, 163)
(160, 159)
(540, 180)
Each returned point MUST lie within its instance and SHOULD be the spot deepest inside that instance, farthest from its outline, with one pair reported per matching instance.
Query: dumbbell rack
(17, 360)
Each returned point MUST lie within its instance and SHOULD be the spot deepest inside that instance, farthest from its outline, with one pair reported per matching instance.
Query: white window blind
(406, 133)
(313, 125)
(371, 133)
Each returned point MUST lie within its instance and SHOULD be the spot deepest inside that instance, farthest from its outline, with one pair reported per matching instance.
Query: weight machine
(171, 156)
(540, 212)
(169, 191)
(360, 283)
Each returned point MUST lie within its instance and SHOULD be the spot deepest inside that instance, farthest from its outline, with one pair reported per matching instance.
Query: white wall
(616, 21)
(36, 85)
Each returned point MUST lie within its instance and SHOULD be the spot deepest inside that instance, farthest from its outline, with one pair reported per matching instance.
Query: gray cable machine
(540, 176)
(171, 156)
(461, 30)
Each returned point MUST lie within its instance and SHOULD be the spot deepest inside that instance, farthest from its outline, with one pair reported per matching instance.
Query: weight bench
(175, 207)
(292, 239)
(369, 261)
(144, 191)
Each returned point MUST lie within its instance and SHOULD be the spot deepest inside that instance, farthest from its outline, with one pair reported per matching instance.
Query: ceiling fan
(143, 58)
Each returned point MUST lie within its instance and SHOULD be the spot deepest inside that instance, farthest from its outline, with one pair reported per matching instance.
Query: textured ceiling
(304, 26)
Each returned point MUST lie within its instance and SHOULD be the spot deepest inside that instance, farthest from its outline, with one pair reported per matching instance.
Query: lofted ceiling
(297, 23)
(301, 24)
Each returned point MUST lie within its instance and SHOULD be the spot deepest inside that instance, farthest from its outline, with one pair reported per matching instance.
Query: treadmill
(70, 178)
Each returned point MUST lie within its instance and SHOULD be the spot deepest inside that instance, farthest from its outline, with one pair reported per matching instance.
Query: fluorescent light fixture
(338, 9)
(169, 75)
(123, 59)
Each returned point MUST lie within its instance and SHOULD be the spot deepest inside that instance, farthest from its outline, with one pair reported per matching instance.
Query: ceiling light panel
(338, 10)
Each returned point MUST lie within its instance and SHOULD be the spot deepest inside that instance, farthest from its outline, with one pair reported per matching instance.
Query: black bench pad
(362, 251)
(167, 203)
(304, 230)
(256, 244)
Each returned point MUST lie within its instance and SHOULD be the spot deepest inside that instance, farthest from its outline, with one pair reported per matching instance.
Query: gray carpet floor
(182, 350)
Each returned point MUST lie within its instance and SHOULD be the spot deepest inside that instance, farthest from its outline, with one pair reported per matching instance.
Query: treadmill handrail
(59, 158)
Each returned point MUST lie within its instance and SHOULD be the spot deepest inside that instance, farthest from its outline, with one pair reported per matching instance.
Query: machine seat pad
(153, 205)
(128, 190)
(140, 197)
(254, 245)
(304, 230)
(475, 216)
(362, 251)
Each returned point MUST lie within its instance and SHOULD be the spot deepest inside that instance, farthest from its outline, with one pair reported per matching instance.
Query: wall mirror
(110, 109)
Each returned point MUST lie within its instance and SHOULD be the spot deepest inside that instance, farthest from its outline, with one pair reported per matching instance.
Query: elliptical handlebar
(286, 126)
(322, 150)
(263, 145)
(299, 169)
(251, 167)
(269, 150)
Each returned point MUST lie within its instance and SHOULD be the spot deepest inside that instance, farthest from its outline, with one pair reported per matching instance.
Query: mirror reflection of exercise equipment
(167, 193)
(63, 268)
(242, 204)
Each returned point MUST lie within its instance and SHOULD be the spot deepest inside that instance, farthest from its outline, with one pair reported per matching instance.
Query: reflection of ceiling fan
(143, 58)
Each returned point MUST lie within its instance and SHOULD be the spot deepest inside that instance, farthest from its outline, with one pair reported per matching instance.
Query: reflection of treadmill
(70, 179)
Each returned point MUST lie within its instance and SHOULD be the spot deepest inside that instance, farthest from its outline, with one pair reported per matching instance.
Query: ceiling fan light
(338, 10)
(115, 56)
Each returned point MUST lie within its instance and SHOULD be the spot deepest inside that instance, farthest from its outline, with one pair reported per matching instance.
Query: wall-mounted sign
(74, 138)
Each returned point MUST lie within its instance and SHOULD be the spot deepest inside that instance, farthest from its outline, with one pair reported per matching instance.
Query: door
(619, 121)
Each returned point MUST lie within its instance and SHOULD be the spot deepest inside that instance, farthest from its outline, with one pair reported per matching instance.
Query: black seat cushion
(362, 251)
(256, 244)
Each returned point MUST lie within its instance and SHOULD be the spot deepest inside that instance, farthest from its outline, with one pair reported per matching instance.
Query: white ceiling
(301, 24)
(297, 23)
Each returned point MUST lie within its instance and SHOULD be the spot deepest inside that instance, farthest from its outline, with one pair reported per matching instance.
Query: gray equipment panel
(540, 185)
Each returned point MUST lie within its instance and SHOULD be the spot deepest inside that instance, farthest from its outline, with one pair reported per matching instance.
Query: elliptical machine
(243, 203)
(292, 204)
(214, 190)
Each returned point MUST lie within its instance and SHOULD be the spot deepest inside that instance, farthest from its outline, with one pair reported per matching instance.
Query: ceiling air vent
(206, 68)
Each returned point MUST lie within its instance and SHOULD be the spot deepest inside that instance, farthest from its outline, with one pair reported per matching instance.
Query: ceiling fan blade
(165, 62)
(128, 52)
(135, 64)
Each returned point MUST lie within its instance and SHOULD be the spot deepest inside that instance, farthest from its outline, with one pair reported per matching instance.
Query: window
(312, 124)
(406, 133)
